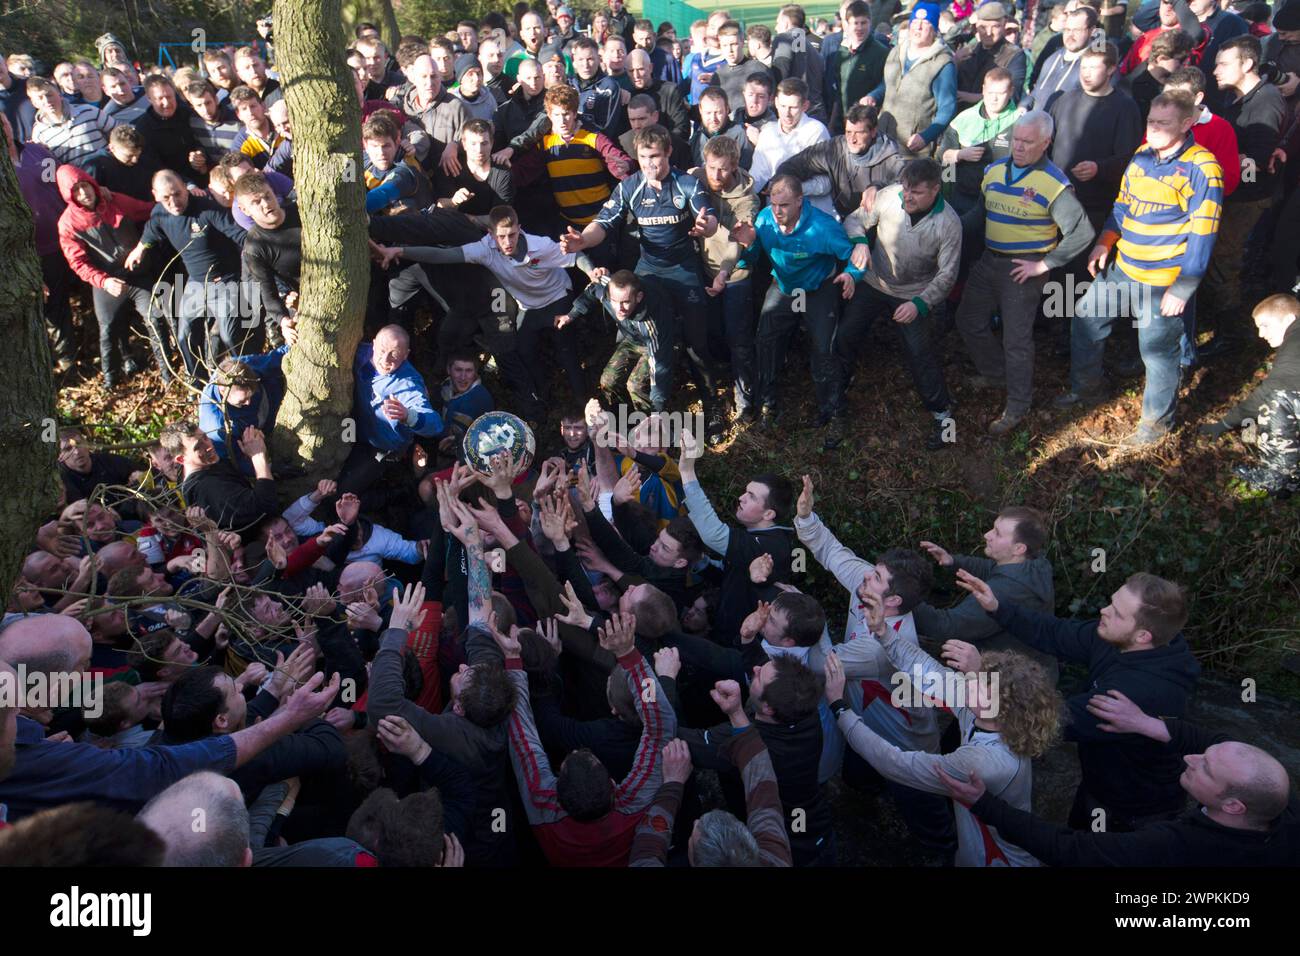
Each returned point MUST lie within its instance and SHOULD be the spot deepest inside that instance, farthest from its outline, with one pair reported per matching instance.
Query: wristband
(839, 707)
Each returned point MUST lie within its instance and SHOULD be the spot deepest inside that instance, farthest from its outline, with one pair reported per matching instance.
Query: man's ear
(680, 563)
(892, 604)
(1233, 806)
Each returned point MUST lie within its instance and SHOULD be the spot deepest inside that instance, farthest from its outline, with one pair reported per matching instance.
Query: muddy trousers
(990, 291)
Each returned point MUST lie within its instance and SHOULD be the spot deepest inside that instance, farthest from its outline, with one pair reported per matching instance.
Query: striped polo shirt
(1166, 216)
(1017, 209)
(579, 179)
(216, 139)
(83, 132)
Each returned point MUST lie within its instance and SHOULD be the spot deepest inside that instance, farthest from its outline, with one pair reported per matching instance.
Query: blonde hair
(1029, 707)
(1277, 306)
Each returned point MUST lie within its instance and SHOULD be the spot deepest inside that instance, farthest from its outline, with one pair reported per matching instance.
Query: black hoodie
(1129, 774)
(1191, 840)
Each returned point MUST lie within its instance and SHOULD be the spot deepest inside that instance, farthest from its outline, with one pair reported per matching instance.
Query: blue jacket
(805, 258)
(407, 386)
(459, 411)
(47, 774)
(225, 425)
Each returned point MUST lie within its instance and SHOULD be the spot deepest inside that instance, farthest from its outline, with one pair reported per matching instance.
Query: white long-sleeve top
(383, 544)
(775, 146)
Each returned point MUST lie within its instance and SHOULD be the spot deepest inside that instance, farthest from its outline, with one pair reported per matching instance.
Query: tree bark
(392, 32)
(313, 428)
(28, 432)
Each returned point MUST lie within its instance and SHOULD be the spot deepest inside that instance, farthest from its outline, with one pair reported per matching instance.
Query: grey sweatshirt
(1028, 584)
(916, 261)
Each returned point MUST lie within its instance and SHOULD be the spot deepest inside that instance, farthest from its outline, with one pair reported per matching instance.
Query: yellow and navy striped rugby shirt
(579, 178)
(1166, 217)
(1017, 212)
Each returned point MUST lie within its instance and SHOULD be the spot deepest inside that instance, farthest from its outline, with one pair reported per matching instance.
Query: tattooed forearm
(479, 585)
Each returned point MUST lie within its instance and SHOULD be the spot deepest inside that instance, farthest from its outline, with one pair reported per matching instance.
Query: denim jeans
(1113, 296)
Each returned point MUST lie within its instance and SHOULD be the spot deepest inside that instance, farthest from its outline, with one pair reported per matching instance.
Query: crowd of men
(435, 659)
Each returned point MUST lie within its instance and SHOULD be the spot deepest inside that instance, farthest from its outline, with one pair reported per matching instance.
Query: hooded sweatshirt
(97, 241)
(42, 198)
(849, 173)
(1027, 585)
(737, 204)
(1131, 775)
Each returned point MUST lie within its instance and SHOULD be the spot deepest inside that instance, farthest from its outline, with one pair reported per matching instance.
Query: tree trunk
(28, 436)
(392, 32)
(313, 428)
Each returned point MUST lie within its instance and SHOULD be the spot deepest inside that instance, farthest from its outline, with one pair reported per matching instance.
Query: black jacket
(515, 117)
(134, 181)
(205, 235)
(226, 496)
(105, 469)
(796, 751)
(613, 741)
(739, 595)
(1128, 774)
(1191, 840)
(272, 254)
(678, 583)
(173, 140)
(315, 749)
(1274, 407)
(674, 114)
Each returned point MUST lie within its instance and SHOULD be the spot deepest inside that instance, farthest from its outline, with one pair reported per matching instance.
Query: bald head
(46, 571)
(47, 643)
(1253, 778)
(53, 645)
(356, 577)
(391, 347)
(201, 798)
(118, 555)
(165, 176)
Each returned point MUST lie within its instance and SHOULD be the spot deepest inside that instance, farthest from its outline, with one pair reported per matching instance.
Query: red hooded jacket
(96, 241)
